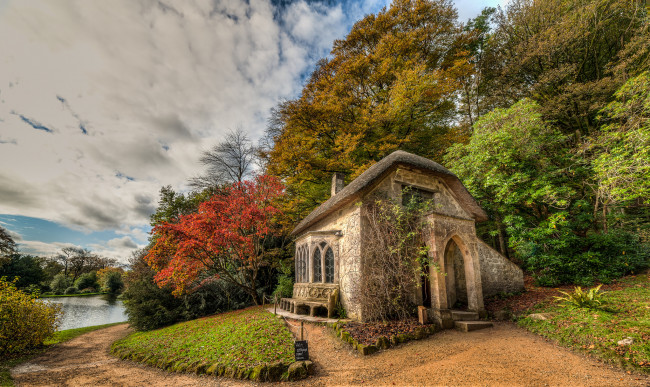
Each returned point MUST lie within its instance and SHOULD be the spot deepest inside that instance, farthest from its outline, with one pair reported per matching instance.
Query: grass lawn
(58, 337)
(625, 313)
(248, 343)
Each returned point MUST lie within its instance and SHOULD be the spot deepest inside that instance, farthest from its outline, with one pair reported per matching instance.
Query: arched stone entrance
(455, 278)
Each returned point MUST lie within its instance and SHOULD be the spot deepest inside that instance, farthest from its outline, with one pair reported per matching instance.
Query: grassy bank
(249, 344)
(58, 337)
(625, 313)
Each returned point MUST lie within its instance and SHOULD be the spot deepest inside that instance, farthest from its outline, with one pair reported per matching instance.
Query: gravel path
(503, 355)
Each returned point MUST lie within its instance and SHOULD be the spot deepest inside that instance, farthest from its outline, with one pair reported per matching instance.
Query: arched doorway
(455, 279)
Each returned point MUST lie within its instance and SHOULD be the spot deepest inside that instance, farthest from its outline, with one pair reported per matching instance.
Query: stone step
(461, 315)
(468, 326)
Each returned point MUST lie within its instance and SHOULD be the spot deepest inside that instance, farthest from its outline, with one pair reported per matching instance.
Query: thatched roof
(364, 182)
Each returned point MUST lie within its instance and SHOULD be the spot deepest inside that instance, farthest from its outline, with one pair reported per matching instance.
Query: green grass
(59, 337)
(231, 344)
(624, 313)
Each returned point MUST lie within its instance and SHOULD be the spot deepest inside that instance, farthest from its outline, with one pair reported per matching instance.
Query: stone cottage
(329, 243)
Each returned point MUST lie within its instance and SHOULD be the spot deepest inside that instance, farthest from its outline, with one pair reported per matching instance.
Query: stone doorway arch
(455, 278)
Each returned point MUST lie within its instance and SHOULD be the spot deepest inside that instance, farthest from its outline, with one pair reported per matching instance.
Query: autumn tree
(391, 84)
(227, 238)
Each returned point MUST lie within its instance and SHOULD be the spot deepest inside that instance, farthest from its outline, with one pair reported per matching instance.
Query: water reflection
(86, 311)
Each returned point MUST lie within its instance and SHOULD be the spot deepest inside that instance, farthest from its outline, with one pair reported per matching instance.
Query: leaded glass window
(318, 275)
(303, 269)
(329, 266)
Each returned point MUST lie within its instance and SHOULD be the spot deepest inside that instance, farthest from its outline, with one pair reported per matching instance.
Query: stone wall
(498, 274)
(347, 254)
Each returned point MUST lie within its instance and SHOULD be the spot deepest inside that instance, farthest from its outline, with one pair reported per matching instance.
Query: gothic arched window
(329, 265)
(318, 275)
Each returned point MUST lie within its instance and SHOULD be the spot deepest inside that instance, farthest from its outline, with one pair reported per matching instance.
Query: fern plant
(582, 299)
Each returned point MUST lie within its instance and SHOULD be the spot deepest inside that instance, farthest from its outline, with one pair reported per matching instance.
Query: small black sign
(301, 350)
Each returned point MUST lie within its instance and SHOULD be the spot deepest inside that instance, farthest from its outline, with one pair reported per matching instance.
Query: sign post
(301, 350)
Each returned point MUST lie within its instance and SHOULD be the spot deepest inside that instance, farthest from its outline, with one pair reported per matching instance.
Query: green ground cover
(59, 337)
(249, 344)
(625, 312)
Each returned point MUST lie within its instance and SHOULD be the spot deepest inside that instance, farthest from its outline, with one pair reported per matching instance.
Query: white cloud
(44, 249)
(150, 83)
(102, 103)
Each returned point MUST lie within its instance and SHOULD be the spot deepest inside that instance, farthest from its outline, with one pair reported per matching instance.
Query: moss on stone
(275, 372)
(297, 371)
(383, 343)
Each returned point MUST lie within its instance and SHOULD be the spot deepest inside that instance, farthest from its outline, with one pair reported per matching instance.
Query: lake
(79, 312)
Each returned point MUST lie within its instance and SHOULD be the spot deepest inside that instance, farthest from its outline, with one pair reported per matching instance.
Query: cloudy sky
(104, 102)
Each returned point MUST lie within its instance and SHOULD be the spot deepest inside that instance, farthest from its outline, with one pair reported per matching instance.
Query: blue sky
(102, 103)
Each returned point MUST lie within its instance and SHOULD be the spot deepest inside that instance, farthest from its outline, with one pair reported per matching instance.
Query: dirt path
(503, 355)
(85, 361)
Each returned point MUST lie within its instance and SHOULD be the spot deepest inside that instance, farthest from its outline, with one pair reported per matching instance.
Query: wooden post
(301, 329)
(275, 304)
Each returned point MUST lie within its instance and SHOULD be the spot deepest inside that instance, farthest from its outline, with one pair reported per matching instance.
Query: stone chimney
(337, 182)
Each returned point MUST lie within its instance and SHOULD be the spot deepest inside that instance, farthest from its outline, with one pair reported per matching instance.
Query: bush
(24, 322)
(112, 282)
(584, 260)
(59, 284)
(285, 281)
(285, 286)
(71, 290)
(87, 280)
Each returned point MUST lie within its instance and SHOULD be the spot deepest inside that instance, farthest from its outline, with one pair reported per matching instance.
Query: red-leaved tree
(226, 238)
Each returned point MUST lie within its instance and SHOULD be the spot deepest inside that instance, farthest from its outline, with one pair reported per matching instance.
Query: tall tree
(391, 84)
(7, 246)
(622, 151)
(230, 161)
(172, 205)
(226, 238)
(561, 54)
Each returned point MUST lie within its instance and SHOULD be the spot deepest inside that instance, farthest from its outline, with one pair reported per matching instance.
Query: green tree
(27, 268)
(87, 281)
(524, 172)
(172, 205)
(623, 163)
(59, 284)
(112, 282)
(7, 246)
(561, 53)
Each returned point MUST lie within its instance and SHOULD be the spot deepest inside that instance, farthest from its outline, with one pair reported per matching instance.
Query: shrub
(581, 299)
(71, 290)
(24, 322)
(285, 281)
(86, 280)
(112, 282)
(285, 286)
(59, 284)
(600, 257)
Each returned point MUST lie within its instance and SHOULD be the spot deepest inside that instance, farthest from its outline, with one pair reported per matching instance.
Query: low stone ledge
(382, 342)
